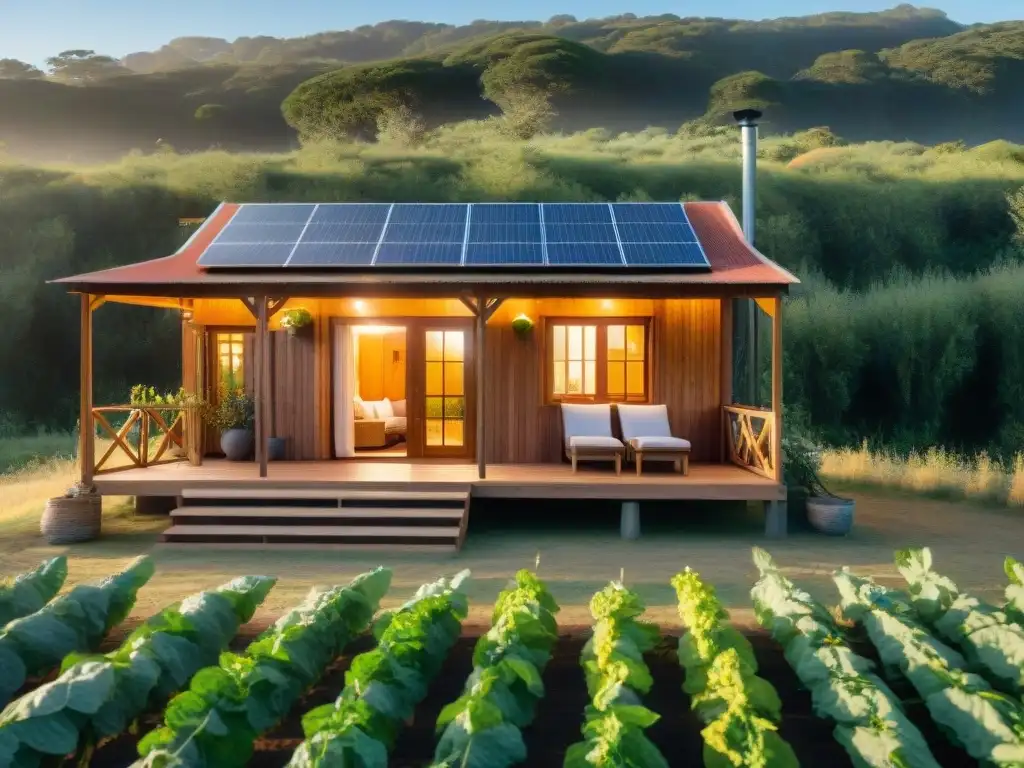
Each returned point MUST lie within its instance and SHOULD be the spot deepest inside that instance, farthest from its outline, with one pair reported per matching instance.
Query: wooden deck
(714, 482)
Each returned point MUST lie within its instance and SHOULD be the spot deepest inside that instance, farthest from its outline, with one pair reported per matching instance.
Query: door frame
(415, 381)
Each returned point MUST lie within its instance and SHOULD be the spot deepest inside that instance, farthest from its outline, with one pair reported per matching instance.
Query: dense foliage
(383, 686)
(481, 729)
(741, 710)
(617, 677)
(870, 720)
(988, 725)
(76, 621)
(97, 697)
(1015, 590)
(216, 722)
(28, 592)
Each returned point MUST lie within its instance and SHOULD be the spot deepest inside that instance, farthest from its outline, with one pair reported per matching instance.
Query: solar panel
(452, 234)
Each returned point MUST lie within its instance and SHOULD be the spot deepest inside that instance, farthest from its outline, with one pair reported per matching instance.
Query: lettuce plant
(992, 641)
(739, 708)
(481, 729)
(987, 724)
(612, 660)
(30, 591)
(1014, 590)
(383, 686)
(97, 697)
(75, 621)
(870, 722)
(215, 723)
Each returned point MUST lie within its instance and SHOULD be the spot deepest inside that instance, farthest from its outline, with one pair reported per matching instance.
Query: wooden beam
(275, 305)
(777, 387)
(96, 302)
(491, 307)
(480, 389)
(471, 304)
(725, 369)
(86, 429)
(767, 306)
(251, 305)
(262, 369)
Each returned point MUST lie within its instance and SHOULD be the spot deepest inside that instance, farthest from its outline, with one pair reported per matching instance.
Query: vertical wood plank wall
(293, 383)
(686, 374)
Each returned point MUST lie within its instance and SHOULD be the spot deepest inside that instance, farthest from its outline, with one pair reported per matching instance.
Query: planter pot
(72, 519)
(275, 448)
(830, 514)
(237, 444)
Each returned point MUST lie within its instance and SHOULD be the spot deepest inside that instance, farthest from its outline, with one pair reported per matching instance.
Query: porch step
(254, 517)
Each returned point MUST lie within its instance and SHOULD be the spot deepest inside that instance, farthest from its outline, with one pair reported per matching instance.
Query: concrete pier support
(630, 525)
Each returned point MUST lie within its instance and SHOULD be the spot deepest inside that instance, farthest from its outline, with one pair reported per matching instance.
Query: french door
(441, 376)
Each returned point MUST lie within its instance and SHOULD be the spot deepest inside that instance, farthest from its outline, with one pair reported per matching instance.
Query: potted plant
(801, 459)
(294, 320)
(233, 416)
(522, 325)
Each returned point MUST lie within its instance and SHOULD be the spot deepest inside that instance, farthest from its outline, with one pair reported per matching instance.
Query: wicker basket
(830, 514)
(72, 519)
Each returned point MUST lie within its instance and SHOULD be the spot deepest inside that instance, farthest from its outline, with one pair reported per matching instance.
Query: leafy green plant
(234, 409)
(1015, 590)
(991, 641)
(216, 722)
(30, 591)
(97, 697)
(481, 729)
(987, 724)
(76, 621)
(612, 660)
(741, 710)
(141, 395)
(870, 721)
(383, 686)
(293, 319)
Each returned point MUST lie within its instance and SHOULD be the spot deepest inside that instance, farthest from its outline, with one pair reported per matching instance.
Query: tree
(82, 66)
(1015, 203)
(12, 69)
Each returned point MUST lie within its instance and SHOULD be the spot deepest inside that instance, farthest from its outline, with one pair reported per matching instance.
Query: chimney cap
(746, 116)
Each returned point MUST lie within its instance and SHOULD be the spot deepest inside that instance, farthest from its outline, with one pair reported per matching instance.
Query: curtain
(344, 391)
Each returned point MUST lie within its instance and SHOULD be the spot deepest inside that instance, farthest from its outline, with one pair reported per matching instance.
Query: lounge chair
(646, 429)
(588, 434)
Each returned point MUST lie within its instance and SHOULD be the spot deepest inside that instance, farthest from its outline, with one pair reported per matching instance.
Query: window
(597, 360)
(230, 359)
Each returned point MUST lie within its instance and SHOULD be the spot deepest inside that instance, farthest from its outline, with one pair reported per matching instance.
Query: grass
(934, 472)
(29, 450)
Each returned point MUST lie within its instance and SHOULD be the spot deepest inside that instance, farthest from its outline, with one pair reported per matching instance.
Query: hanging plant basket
(522, 326)
(296, 321)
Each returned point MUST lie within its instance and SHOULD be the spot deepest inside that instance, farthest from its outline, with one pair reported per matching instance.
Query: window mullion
(601, 363)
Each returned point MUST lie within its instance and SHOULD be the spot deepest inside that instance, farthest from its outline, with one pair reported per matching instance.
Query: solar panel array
(354, 235)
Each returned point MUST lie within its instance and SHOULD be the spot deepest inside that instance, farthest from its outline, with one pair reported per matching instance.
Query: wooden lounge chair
(646, 429)
(588, 434)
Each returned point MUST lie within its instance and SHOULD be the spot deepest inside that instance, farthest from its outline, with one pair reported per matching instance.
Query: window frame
(601, 389)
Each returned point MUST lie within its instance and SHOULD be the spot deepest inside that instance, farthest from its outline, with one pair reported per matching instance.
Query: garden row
(963, 658)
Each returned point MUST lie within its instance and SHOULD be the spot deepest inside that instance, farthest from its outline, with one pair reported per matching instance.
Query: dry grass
(935, 472)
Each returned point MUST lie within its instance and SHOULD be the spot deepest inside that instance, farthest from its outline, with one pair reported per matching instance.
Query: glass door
(446, 408)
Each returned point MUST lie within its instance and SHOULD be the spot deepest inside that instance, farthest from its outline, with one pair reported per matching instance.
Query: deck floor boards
(716, 482)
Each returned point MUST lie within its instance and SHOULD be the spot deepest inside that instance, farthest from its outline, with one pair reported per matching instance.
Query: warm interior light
(359, 304)
(371, 330)
(607, 303)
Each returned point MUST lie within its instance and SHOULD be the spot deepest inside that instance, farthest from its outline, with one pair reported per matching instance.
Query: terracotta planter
(237, 444)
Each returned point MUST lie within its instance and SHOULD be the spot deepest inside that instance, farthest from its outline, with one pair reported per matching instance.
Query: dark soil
(560, 712)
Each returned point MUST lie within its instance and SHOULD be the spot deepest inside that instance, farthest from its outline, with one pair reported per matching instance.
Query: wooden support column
(481, 388)
(262, 383)
(86, 428)
(777, 386)
(725, 371)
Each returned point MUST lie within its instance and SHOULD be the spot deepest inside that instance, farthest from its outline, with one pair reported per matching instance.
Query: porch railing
(749, 434)
(140, 436)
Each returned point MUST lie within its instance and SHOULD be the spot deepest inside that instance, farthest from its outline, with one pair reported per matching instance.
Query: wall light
(607, 303)
(359, 304)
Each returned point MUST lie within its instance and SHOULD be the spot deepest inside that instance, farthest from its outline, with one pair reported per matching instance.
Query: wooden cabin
(443, 341)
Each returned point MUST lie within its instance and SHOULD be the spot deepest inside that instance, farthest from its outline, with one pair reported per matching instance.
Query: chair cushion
(395, 425)
(398, 406)
(659, 444)
(596, 443)
(644, 421)
(586, 420)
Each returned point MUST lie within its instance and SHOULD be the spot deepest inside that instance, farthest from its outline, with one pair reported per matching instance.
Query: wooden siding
(520, 429)
(292, 396)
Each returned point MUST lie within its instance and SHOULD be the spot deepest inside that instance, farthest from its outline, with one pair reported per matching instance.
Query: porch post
(481, 333)
(260, 387)
(777, 386)
(725, 371)
(86, 428)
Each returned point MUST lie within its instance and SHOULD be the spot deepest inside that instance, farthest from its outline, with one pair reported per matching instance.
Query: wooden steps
(319, 518)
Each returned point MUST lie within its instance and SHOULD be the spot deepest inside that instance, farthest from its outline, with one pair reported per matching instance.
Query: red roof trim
(733, 260)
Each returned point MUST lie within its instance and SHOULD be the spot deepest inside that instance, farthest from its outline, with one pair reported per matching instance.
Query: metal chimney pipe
(747, 121)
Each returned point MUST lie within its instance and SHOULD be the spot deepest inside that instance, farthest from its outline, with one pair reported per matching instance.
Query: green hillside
(868, 76)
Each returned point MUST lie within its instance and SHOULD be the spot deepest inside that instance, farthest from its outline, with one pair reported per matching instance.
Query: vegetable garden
(917, 677)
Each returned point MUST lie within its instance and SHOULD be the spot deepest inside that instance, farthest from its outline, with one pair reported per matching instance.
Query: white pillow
(383, 409)
(358, 408)
(398, 406)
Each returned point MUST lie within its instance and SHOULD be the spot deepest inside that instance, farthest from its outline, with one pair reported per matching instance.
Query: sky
(31, 30)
